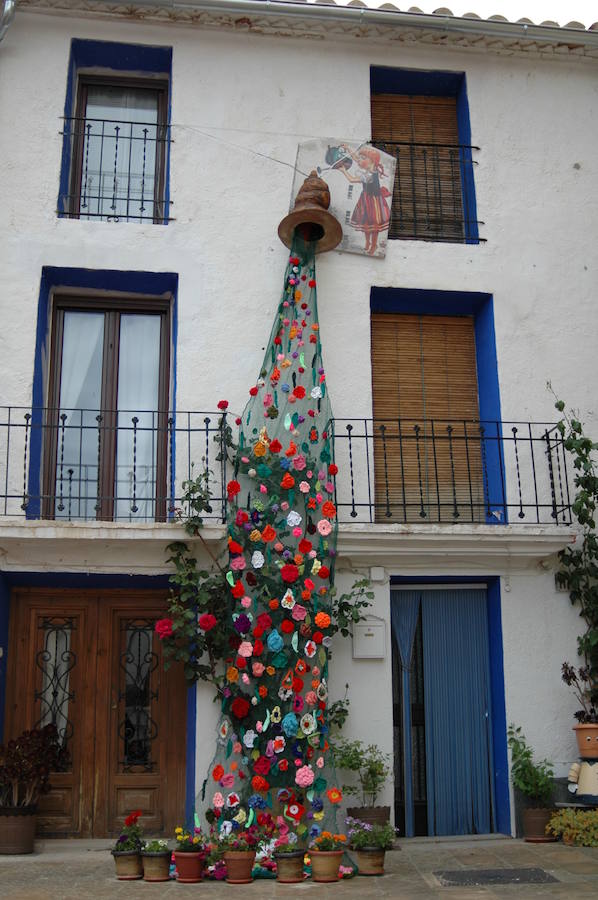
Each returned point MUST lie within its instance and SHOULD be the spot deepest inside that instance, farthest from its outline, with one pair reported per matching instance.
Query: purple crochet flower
(242, 624)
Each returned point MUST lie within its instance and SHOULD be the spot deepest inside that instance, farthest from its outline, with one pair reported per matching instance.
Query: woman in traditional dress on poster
(371, 214)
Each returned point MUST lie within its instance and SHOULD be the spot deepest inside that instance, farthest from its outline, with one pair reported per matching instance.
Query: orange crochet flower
(274, 603)
(232, 674)
(259, 449)
(268, 534)
(329, 510)
(287, 482)
(292, 451)
(270, 670)
(217, 772)
(263, 690)
(335, 796)
(259, 784)
(322, 620)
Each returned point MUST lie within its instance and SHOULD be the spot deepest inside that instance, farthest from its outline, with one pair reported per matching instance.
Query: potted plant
(289, 861)
(370, 843)
(127, 849)
(239, 846)
(156, 860)
(326, 852)
(535, 782)
(575, 826)
(189, 854)
(371, 767)
(586, 730)
(25, 767)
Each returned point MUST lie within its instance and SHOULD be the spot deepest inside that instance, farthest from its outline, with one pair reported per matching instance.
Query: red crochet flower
(297, 685)
(317, 637)
(286, 626)
(238, 590)
(253, 391)
(217, 772)
(332, 469)
(275, 446)
(258, 648)
(207, 622)
(163, 628)
(305, 546)
(299, 392)
(323, 572)
(259, 784)
(289, 573)
(239, 707)
(283, 765)
(262, 765)
(268, 534)
(223, 405)
(287, 482)
(264, 620)
(234, 547)
(233, 488)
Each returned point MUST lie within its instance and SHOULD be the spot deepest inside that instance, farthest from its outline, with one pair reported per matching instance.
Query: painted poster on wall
(361, 179)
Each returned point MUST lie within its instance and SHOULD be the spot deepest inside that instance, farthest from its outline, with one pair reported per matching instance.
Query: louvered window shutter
(422, 134)
(427, 452)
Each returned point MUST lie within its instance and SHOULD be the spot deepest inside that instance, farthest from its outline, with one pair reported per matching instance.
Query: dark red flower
(237, 421)
(238, 590)
(311, 283)
(297, 685)
(332, 469)
(207, 622)
(239, 707)
(317, 637)
(223, 405)
(289, 573)
(275, 446)
(283, 765)
(305, 546)
(323, 572)
(262, 765)
(132, 818)
(287, 627)
(251, 579)
(258, 648)
(258, 631)
(253, 391)
(264, 621)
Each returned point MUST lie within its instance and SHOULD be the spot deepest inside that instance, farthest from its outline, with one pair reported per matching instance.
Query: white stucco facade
(240, 103)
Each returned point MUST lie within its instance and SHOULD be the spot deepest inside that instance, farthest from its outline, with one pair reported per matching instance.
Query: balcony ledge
(114, 547)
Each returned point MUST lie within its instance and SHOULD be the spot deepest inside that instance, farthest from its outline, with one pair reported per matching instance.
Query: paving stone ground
(65, 870)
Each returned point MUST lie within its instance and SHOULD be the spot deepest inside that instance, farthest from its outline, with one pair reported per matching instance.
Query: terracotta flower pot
(534, 826)
(189, 866)
(587, 740)
(370, 860)
(373, 815)
(289, 866)
(239, 865)
(156, 866)
(17, 829)
(128, 865)
(325, 864)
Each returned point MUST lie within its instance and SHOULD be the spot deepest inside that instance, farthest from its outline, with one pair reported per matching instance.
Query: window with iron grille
(421, 118)
(116, 134)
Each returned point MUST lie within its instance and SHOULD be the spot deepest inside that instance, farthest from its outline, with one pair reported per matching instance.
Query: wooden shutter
(422, 133)
(427, 453)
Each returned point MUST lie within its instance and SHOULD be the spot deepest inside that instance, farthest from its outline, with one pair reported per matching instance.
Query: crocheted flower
(242, 624)
(257, 559)
(289, 573)
(249, 738)
(334, 795)
(239, 707)
(288, 601)
(322, 620)
(207, 621)
(299, 612)
(275, 642)
(324, 527)
(308, 724)
(290, 725)
(304, 776)
(245, 649)
(262, 765)
(310, 649)
(217, 800)
(233, 488)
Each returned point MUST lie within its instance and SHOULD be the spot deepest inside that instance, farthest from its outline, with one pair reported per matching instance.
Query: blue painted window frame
(416, 82)
(120, 59)
(416, 301)
(497, 683)
(111, 281)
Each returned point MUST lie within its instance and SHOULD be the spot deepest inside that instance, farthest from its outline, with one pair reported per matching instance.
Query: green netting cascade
(273, 745)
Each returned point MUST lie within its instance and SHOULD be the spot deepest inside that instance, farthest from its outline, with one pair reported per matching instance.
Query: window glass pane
(138, 402)
(77, 425)
(56, 660)
(138, 661)
(119, 153)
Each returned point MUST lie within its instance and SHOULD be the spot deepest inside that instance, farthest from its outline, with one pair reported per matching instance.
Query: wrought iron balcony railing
(80, 465)
(117, 170)
(441, 471)
(433, 192)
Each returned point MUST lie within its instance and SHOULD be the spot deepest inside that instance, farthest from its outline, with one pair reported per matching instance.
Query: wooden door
(91, 663)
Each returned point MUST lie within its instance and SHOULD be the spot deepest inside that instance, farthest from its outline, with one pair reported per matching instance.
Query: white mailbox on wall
(369, 639)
